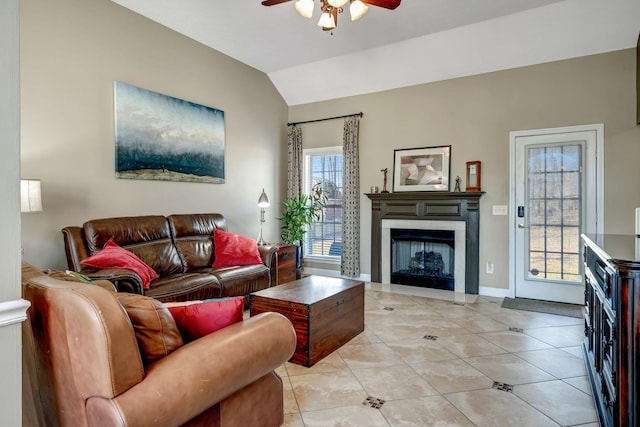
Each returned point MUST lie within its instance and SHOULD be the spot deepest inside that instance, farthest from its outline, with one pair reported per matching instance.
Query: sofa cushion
(113, 256)
(148, 237)
(195, 320)
(192, 285)
(193, 237)
(155, 328)
(242, 280)
(232, 250)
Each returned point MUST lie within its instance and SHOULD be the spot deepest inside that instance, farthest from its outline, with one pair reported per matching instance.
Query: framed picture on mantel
(422, 169)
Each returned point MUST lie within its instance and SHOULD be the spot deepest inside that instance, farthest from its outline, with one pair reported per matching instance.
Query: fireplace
(429, 236)
(435, 235)
(424, 258)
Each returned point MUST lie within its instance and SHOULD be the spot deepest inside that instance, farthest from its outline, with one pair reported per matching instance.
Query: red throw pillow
(199, 319)
(113, 256)
(231, 250)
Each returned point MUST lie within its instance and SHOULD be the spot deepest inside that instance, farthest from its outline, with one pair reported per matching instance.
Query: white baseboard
(488, 291)
(484, 290)
(13, 311)
(335, 273)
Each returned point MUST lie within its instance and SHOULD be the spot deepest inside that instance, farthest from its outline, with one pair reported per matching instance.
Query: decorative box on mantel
(449, 207)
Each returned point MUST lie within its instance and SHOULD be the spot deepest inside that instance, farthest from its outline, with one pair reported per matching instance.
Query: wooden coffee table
(326, 312)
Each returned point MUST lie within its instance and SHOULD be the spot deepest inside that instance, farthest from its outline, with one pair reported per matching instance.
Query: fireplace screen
(423, 258)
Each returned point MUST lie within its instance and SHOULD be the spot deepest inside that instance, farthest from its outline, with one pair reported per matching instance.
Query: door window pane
(554, 205)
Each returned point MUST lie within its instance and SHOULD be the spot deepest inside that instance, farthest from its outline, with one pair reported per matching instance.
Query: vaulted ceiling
(419, 42)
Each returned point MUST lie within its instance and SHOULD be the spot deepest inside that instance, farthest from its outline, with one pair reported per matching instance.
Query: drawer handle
(285, 254)
(340, 304)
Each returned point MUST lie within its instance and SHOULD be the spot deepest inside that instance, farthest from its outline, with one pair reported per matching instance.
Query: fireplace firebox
(424, 258)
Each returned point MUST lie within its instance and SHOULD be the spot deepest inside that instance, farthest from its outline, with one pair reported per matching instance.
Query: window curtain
(350, 262)
(294, 161)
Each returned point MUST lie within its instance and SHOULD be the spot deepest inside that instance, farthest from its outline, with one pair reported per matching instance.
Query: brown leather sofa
(82, 365)
(180, 248)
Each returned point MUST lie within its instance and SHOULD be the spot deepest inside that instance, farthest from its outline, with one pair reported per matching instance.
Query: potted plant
(298, 214)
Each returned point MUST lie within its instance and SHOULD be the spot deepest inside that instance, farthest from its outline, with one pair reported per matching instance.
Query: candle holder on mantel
(384, 183)
(456, 189)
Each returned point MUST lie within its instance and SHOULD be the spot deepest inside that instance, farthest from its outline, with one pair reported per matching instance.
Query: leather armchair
(83, 367)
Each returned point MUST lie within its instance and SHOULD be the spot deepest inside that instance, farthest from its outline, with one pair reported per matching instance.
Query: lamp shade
(357, 9)
(263, 201)
(304, 8)
(337, 3)
(30, 195)
(326, 21)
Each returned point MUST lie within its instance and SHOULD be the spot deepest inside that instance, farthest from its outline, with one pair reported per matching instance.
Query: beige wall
(475, 115)
(71, 53)
(10, 329)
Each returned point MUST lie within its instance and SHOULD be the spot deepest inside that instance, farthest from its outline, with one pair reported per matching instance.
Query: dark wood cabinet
(612, 325)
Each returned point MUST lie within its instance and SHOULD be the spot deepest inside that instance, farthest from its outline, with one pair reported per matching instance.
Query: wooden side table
(286, 263)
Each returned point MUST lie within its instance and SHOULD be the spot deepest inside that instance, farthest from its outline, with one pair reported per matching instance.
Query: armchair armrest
(196, 376)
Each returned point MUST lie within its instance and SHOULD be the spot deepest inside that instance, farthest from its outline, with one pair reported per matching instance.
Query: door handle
(522, 226)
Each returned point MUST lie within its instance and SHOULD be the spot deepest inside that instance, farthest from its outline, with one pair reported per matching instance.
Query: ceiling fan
(330, 9)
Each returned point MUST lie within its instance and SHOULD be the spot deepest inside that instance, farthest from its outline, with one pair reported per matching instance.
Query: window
(324, 237)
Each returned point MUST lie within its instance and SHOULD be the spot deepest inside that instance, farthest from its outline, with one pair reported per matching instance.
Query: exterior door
(556, 199)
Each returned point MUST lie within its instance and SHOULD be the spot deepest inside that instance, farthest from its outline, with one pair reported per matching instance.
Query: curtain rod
(328, 118)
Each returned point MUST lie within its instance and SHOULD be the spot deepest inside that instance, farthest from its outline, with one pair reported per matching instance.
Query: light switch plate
(500, 210)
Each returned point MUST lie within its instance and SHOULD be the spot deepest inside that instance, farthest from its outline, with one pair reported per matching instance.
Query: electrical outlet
(489, 267)
(500, 210)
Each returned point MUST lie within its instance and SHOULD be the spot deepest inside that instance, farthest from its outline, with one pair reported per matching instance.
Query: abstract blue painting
(160, 137)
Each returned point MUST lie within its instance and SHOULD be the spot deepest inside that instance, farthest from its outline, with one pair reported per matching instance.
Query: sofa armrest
(74, 247)
(269, 258)
(76, 251)
(200, 374)
(123, 280)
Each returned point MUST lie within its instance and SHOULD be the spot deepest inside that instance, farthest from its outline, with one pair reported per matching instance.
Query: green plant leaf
(300, 212)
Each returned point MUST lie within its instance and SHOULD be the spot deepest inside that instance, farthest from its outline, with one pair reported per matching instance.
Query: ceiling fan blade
(387, 4)
(273, 2)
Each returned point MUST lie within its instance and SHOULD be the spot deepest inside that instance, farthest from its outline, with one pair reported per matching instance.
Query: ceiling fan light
(304, 8)
(337, 3)
(326, 21)
(357, 9)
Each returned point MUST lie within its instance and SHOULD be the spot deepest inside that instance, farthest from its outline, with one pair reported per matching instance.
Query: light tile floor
(450, 380)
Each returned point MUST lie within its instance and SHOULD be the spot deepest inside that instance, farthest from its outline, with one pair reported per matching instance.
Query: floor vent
(513, 329)
(374, 402)
(503, 387)
(389, 308)
(430, 337)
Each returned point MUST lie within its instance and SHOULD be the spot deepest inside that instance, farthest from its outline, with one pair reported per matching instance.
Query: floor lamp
(263, 202)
